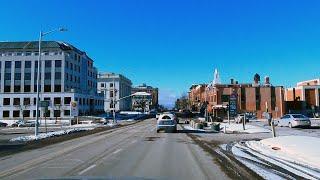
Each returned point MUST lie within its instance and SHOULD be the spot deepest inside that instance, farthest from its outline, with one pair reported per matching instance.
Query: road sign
(233, 104)
(74, 110)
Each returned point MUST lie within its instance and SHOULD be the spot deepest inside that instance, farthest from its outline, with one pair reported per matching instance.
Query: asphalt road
(135, 151)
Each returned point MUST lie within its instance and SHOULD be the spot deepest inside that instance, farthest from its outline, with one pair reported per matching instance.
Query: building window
(8, 64)
(28, 53)
(57, 63)
(7, 88)
(26, 101)
(27, 76)
(17, 64)
(17, 76)
(6, 113)
(111, 85)
(27, 88)
(102, 85)
(47, 64)
(57, 88)
(56, 113)
(273, 98)
(47, 76)
(258, 98)
(47, 88)
(16, 113)
(26, 113)
(46, 113)
(111, 94)
(16, 101)
(17, 88)
(67, 100)
(6, 101)
(27, 64)
(57, 75)
(67, 112)
(7, 76)
(57, 101)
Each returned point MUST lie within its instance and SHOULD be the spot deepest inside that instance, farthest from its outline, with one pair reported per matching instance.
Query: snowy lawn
(302, 150)
(238, 128)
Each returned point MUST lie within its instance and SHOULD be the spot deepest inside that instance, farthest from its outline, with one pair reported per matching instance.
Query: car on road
(21, 123)
(167, 123)
(294, 120)
(2, 124)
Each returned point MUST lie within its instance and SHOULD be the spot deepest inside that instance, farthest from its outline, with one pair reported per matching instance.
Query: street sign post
(233, 104)
(74, 110)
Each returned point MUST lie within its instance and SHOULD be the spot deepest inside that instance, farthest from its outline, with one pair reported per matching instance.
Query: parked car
(22, 123)
(167, 123)
(294, 120)
(2, 124)
(239, 118)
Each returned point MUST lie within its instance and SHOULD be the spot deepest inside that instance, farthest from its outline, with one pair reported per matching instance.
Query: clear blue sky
(173, 44)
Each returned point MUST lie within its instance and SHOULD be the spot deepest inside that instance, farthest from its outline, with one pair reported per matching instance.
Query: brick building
(197, 96)
(305, 97)
(253, 97)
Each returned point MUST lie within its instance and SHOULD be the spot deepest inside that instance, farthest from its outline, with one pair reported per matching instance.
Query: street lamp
(42, 34)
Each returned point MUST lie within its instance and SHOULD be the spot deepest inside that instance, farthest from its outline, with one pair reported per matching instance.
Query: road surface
(135, 151)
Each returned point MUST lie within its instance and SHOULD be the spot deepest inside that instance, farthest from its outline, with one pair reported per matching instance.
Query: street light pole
(38, 86)
(36, 131)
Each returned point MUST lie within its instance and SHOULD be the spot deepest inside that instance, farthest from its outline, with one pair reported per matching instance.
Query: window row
(27, 88)
(31, 53)
(27, 64)
(32, 101)
(27, 113)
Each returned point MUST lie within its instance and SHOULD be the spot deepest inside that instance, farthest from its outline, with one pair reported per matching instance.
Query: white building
(67, 75)
(115, 87)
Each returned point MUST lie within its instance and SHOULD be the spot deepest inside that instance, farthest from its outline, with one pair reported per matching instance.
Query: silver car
(166, 123)
(294, 120)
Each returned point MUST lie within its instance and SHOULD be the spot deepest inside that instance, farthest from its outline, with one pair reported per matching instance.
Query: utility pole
(114, 102)
(42, 34)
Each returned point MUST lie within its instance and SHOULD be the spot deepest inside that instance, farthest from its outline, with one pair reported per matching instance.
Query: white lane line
(87, 169)
(117, 151)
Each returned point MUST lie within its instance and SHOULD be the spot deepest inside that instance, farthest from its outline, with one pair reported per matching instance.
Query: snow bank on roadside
(49, 134)
(239, 128)
(302, 150)
(191, 128)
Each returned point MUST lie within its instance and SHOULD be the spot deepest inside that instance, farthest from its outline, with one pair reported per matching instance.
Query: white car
(294, 120)
(167, 123)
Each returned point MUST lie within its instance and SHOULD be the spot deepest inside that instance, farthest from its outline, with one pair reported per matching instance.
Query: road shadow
(186, 131)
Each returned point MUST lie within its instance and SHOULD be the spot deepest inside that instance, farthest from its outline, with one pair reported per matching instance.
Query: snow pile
(239, 128)
(302, 150)
(191, 128)
(50, 134)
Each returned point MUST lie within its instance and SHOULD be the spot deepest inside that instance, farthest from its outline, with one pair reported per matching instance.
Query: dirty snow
(50, 134)
(239, 128)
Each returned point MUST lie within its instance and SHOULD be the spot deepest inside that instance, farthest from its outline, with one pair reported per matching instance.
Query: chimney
(267, 81)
